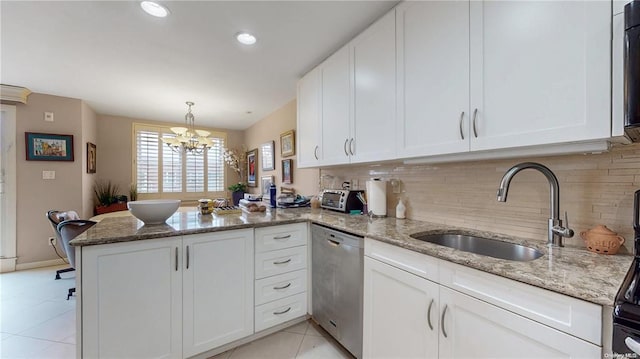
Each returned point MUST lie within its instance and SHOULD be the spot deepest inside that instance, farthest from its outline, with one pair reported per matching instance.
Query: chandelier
(188, 139)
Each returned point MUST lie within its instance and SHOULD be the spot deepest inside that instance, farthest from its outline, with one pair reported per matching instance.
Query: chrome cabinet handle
(475, 116)
(283, 287)
(461, 120)
(187, 257)
(444, 311)
(283, 237)
(351, 146)
(176, 259)
(429, 315)
(345, 147)
(282, 312)
(283, 262)
(315, 153)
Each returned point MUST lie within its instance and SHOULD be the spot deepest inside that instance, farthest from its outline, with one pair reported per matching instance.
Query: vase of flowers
(236, 160)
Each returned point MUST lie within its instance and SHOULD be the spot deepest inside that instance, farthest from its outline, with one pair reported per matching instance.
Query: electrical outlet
(52, 241)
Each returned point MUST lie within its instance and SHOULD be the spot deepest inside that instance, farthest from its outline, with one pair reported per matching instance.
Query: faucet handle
(569, 231)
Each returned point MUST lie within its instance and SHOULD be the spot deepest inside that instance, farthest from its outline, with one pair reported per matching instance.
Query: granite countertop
(571, 271)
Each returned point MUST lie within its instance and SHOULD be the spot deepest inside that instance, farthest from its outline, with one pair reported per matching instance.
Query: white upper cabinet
(374, 100)
(308, 122)
(540, 72)
(335, 75)
(433, 77)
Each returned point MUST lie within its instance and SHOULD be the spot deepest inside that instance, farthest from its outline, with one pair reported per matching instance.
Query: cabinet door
(336, 90)
(132, 300)
(308, 122)
(433, 77)
(400, 313)
(218, 289)
(540, 72)
(471, 328)
(374, 125)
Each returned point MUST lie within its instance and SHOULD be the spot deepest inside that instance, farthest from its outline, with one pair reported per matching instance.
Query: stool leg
(71, 291)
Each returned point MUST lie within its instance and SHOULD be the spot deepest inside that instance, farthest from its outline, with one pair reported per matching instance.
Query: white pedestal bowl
(153, 211)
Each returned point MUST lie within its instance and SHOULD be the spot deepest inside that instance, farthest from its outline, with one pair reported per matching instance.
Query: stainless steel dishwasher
(337, 280)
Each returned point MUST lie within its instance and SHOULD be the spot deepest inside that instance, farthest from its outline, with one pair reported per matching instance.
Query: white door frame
(8, 189)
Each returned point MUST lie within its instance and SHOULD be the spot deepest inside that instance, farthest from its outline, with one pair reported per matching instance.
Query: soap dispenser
(401, 210)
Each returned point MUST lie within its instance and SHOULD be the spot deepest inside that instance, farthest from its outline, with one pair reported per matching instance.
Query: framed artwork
(91, 158)
(252, 164)
(267, 156)
(48, 147)
(288, 143)
(265, 182)
(287, 171)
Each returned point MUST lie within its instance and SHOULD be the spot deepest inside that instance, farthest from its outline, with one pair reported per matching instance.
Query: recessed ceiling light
(154, 9)
(246, 38)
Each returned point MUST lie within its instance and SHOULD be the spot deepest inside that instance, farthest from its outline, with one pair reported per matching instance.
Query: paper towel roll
(377, 197)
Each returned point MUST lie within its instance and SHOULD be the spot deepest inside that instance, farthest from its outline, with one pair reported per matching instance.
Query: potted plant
(133, 192)
(237, 192)
(107, 198)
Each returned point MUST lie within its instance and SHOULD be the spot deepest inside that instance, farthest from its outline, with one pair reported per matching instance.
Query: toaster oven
(341, 200)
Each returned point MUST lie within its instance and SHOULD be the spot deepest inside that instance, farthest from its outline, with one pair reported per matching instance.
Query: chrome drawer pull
(282, 312)
(283, 287)
(187, 257)
(351, 146)
(429, 315)
(283, 237)
(283, 262)
(315, 153)
(444, 311)
(345, 147)
(176, 259)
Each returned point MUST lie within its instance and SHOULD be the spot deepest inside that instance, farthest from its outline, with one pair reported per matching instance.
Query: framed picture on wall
(267, 156)
(287, 143)
(91, 158)
(48, 147)
(265, 183)
(287, 171)
(252, 167)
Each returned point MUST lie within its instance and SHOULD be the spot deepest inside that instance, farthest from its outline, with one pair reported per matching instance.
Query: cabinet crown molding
(13, 94)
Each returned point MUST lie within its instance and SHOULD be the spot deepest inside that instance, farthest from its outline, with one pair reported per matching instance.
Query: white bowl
(153, 211)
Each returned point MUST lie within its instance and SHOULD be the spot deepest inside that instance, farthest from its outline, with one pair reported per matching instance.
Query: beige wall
(89, 134)
(114, 152)
(305, 181)
(35, 196)
(594, 189)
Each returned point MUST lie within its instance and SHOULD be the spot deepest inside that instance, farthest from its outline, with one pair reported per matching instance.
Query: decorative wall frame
(288, 143)
(268, 156)
(91, 158)
(48, 147)
(252, 167)
(265, 183)
(287, 171)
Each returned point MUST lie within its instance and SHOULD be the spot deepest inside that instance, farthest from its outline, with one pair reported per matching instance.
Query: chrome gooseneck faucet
(556, 231)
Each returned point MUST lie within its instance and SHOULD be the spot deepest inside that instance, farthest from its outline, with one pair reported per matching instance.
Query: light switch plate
(48, 116)
(48, 175)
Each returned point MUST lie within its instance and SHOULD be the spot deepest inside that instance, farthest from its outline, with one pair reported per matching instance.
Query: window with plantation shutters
(162, 173)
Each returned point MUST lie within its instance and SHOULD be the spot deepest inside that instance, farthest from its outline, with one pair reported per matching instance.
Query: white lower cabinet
(168, 297)
(408, 316)
(217, 289)
(400, 313)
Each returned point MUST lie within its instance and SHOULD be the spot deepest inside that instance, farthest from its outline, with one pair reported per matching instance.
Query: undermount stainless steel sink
(484, 246)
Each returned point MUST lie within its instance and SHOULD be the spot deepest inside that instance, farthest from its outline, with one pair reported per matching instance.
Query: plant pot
(236, 197)
(113, 207)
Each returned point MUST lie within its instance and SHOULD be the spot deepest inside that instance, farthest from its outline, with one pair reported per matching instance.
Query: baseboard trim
(7, 264)
(32, 265)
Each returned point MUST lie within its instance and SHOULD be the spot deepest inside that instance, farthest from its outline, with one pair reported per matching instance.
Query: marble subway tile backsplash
(594, 189)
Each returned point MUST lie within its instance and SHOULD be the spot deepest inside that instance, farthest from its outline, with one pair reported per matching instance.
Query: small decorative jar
(205, 206)
(602, 240)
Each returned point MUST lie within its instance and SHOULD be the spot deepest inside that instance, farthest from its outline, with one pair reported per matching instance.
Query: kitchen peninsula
(132, 277)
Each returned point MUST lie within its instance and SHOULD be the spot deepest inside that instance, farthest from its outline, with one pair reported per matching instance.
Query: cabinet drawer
(280, 286)
(279, 237)
(280, 261)
(407, 260)
(279, 311)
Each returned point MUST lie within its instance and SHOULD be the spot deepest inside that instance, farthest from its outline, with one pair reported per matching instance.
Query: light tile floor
(36, 321)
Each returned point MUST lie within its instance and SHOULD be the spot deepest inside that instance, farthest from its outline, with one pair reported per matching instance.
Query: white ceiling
(124, 62)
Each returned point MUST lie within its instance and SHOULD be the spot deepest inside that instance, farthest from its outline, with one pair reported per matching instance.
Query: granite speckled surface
(570, 271)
